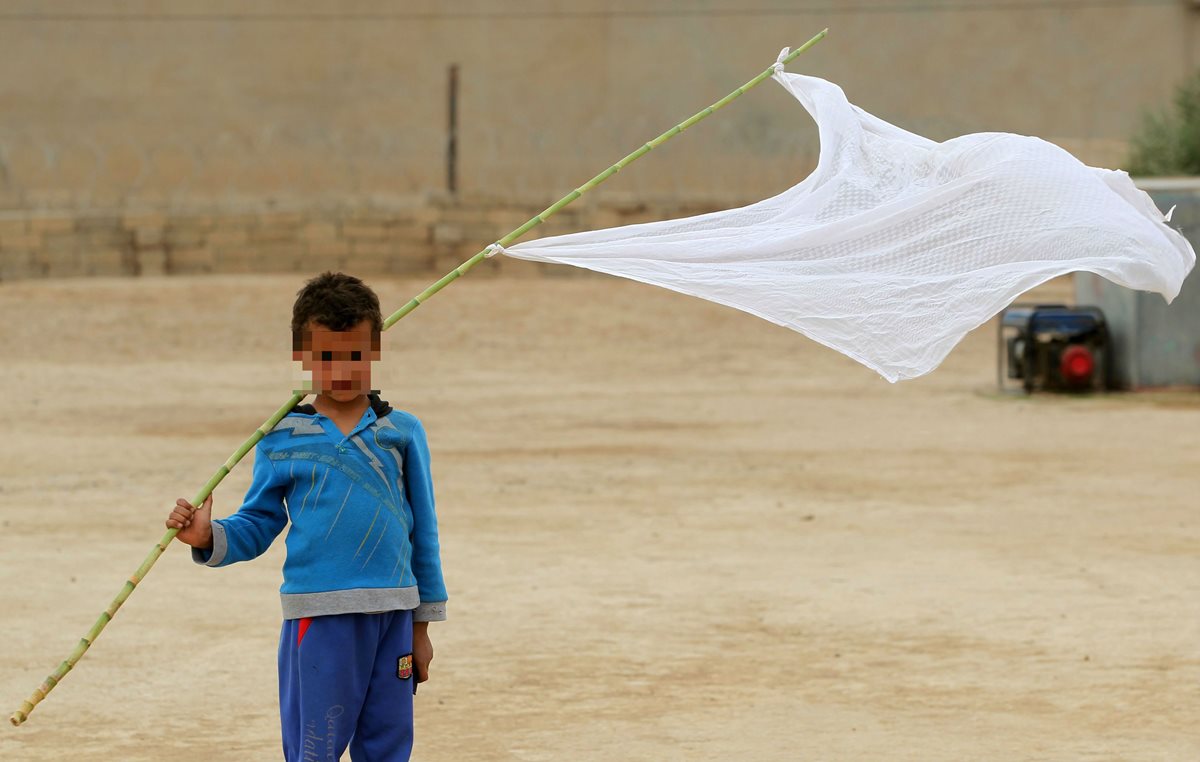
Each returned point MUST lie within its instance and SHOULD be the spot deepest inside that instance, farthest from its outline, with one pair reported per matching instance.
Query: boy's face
(340, 361)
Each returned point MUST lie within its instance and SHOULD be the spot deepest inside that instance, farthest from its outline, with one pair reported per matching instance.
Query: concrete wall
(1154, 344)
(436, 232)
(208, 108)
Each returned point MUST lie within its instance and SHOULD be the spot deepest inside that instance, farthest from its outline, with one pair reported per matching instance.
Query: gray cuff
(215, 556)
(433, 611)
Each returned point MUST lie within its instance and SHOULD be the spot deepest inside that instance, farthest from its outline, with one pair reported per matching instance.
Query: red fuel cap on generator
(1077, 364)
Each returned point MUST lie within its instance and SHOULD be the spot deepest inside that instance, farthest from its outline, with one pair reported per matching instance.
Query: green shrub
(1169, 140)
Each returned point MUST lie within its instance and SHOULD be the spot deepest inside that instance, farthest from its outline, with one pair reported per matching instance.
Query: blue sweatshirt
(364, 532)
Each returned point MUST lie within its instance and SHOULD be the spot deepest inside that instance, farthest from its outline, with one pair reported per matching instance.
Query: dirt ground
(670, 531)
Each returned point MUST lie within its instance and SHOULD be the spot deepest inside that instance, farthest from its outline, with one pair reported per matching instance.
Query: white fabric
(896, 246)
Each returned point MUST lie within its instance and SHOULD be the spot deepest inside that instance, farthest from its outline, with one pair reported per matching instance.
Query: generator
(1053, 348)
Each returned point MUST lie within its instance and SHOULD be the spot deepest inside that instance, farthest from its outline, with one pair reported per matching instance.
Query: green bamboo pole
(22, 714)
(554, 208)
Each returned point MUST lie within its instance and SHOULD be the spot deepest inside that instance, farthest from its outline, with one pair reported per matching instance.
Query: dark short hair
(337, 301)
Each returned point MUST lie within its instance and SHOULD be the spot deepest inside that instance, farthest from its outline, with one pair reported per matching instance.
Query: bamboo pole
(554, 208)
(18, 717)
(27, 706)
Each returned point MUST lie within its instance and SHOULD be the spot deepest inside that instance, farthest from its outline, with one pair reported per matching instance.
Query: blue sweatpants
(347, 679)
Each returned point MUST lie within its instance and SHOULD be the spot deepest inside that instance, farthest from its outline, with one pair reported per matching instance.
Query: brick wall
(428, 235)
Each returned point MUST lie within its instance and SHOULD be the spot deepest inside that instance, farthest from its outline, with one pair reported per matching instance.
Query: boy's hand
(194, 524)
(422, 650)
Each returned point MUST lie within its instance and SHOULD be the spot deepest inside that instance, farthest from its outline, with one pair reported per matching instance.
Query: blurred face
(340, 361)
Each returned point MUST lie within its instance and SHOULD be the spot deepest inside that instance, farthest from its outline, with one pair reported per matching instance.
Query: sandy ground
(670, 531)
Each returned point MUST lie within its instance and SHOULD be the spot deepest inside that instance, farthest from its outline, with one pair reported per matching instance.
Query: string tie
(778, 66)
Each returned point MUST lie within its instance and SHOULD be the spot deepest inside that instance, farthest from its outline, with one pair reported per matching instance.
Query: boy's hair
(337, 301)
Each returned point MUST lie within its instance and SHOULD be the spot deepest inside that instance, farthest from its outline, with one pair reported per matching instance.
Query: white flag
(896, 246)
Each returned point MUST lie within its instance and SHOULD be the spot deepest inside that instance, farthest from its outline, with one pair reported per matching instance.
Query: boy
(362, 578)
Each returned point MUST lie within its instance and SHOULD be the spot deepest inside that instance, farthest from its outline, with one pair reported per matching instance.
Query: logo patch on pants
(404, 667)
